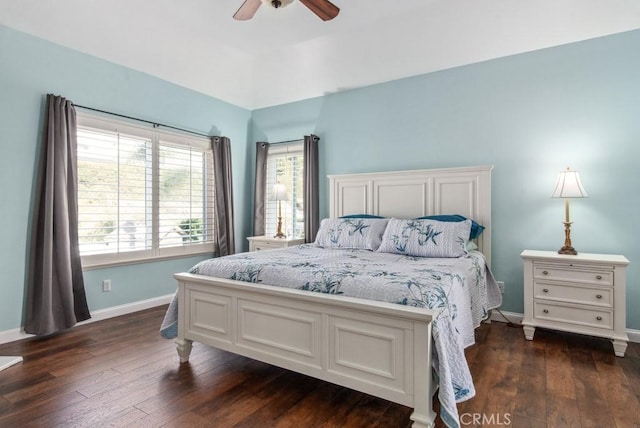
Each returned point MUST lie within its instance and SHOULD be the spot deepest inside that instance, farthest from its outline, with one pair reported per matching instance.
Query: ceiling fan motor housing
(276, 3)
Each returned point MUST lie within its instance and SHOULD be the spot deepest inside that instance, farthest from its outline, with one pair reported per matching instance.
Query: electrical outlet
(500, 286)
(106, 285)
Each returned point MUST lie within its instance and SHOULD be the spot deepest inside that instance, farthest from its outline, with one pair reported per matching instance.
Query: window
(285, 165)
(142, 193)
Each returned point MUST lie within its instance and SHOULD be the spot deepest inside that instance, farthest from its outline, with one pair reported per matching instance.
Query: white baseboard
(501, 315)
(128, 308)
(99, 315)
(6, 362)
(516, 318)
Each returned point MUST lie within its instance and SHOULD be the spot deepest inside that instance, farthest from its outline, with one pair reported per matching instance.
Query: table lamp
(279, 193)
(568, 186)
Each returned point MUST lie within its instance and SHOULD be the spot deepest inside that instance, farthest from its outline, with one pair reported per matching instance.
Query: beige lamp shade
(279, 193)
(569, 185)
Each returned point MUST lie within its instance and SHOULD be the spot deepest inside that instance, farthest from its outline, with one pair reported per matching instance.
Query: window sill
(88, 265)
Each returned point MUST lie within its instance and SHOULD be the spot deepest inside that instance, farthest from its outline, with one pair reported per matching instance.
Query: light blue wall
(29, 69)
(529, 115)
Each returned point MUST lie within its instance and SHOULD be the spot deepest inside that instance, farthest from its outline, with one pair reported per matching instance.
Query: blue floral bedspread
(463, 291)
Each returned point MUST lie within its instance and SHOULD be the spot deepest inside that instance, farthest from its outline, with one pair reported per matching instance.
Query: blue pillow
(361, 216)
(476, 229)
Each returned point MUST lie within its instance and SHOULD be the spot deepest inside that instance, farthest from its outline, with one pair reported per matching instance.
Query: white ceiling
(289, 54)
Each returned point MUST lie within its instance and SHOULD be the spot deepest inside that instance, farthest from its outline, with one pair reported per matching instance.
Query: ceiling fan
(323, 8)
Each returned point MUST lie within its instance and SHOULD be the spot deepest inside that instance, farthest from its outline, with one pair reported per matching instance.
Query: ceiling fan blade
(323, 8)
(247, 10)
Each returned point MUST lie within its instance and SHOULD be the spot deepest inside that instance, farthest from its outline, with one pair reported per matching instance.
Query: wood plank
(563, 412)
(120, 372)
(292, 390)
(26, 414)
(324, 400)
(370, 409)
(189, 419)
(248, 396)
(393, 416)
(51, 387)
(623, 403)
(4, 405)
(590, 391)
(188, 378)
(531, 399)
(525, 422)
(559, 373)
(631, 367)
(206, 389)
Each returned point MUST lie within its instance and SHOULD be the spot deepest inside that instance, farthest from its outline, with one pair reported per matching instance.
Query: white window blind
(185, 195)
(285, 165)
(142, 193)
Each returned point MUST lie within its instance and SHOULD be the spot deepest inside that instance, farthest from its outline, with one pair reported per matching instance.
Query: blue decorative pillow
(476, 229)
(361, 216)
(426, 238)
(357, 233)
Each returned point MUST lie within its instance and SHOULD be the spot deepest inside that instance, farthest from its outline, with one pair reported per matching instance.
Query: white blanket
(461, 289)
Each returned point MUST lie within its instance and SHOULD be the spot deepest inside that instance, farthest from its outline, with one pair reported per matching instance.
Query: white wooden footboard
(381, 349)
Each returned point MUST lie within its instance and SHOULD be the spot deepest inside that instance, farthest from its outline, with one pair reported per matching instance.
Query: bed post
(423, 415)
(184, 349)
(182, 345)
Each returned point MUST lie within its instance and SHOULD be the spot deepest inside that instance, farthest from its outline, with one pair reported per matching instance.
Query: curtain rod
(292, 141)
(155, 124)
(287, 142)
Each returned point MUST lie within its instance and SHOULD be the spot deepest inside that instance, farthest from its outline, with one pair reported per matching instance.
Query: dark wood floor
(120, 373)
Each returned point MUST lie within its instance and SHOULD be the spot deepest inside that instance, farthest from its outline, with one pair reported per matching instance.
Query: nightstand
(257, 243)
(580, 294)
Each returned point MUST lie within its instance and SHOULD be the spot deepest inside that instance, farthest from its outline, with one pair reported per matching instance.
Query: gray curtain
(262, 150)
(225, 239)
(56, 298)
(311, 188)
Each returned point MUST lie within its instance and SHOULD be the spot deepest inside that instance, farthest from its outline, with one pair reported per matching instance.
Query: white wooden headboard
(410, 194)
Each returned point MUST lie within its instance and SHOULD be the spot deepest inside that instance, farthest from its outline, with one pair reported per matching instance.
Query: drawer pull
(546, 290)
(598, 277)
(545, 272)
(599, 318)
(546, 311)
(598, 296)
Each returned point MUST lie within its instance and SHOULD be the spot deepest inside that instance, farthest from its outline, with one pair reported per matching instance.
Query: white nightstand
(257, 243)
(580, 294)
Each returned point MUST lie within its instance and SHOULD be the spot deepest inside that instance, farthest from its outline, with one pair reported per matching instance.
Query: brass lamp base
(568, 251)
(567, 248)
(279, 233)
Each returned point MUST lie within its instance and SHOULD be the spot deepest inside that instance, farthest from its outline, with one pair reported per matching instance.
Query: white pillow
(357, 233)
(426, 238)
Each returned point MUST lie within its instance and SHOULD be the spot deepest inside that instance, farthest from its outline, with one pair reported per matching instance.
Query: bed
(381, 348)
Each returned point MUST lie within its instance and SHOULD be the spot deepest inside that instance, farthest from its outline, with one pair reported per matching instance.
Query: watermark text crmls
(486, 419)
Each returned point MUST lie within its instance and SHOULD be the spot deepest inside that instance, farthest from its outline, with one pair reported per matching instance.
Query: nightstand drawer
(599, 296)
(573, 315)
(259, 243)
(573, 274)
(266, 245)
